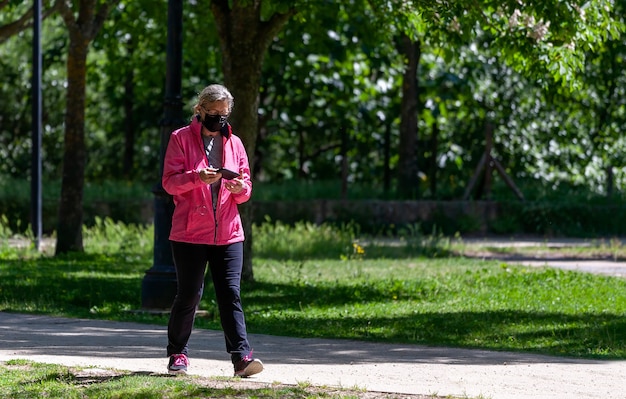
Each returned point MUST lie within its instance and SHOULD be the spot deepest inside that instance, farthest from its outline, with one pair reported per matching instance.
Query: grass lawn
(20, 379)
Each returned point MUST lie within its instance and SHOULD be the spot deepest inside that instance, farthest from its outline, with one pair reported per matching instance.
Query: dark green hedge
(378, 217)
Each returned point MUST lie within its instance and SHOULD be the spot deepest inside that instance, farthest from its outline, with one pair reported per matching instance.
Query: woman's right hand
(209, 175)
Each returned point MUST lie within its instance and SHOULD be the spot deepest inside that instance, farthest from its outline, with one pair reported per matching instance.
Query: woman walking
(206, 226)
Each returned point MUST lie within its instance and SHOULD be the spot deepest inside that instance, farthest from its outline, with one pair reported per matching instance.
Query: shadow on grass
(437, 338)
(78, 285)
(582, 336)
(354, 312)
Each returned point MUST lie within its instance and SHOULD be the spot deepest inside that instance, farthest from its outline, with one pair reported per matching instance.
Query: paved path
(598, 266)
(400, 369)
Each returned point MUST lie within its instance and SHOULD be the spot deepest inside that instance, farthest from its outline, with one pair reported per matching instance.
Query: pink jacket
(193, 220)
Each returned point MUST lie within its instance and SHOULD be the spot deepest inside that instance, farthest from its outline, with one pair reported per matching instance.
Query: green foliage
(112, 237)
(336, 97)
(15, 90)
(302, 241)
(337, 112)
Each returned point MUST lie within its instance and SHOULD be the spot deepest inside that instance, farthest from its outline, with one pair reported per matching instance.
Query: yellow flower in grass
(359, 251)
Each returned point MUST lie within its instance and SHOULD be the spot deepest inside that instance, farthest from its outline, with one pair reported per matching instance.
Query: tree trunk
(432, 161)
(242, 66)
(129, 123)
(244, 40)
(387, 160)
(407, 185)
(610, 181)
(83, 26)
(69, 229)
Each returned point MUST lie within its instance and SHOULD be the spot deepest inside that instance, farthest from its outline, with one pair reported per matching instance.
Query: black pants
(225, 263)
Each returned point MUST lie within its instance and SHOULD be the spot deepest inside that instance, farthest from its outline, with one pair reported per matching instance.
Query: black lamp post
(35, 182)
(158, 287)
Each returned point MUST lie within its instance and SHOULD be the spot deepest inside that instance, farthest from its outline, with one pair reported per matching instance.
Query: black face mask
(214, 123)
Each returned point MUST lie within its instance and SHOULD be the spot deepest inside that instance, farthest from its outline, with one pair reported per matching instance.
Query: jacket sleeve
(176, 178)
(244, 171)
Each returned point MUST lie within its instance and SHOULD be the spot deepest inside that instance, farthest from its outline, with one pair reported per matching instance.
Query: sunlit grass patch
(20, 379)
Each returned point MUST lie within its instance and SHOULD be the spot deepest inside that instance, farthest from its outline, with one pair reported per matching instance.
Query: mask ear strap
(225, 130)
(198, 117)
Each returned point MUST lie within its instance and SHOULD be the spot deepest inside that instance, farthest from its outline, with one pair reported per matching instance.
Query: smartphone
(227, 173)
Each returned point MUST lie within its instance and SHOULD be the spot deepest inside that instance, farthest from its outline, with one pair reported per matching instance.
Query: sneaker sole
(177, 372)
(253, 368)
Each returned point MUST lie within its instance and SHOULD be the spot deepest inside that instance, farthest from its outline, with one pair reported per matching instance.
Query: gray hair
(213, 93)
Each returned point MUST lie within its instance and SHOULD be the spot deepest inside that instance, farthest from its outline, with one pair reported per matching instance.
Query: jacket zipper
(215, 213)
(219, 190)
(213, 206)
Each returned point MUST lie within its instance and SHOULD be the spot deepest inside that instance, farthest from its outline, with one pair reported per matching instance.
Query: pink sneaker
(248, 366)
(178, 364)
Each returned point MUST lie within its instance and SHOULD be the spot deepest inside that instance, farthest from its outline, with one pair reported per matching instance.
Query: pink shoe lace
(248, 366)
(180, 360)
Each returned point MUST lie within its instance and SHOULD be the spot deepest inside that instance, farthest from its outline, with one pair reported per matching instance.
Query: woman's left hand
(235, 186)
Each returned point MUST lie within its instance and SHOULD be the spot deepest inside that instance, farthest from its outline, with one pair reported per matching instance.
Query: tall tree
(245, 35)
(407, 162)
(83, 20)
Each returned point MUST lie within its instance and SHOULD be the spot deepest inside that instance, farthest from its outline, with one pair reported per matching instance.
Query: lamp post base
(158, 288)
(159, 284)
